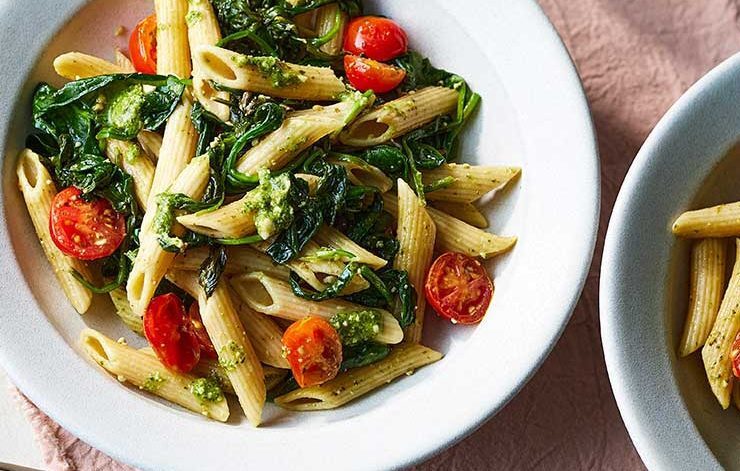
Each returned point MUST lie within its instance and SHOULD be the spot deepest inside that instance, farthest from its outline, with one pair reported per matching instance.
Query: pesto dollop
(356, 327)
(164, 217)
(153, 382)
(269, 202)
(231, 355)
(278, 72)
(206, 390)
(124, 110)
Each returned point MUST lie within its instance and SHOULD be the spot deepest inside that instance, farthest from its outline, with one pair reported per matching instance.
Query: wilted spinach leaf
(212, 269)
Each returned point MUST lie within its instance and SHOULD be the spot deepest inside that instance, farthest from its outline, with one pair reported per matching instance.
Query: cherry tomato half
(86, 230)
(142, 46)
(458, 288)
(367, 74)
(378, 38)
(171, 334)
(206, 346)
(735, 356)
(313, 350)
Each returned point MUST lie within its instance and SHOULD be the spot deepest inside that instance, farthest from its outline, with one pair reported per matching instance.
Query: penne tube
(173, 52)
(275, 298)
(466, 212)
(131, 158)
(76, 65)
(398, 117)
(267, 75)
(352, 384)
(362, 173)
(133, 321)
(708, 258)
(331, 19)
(471, 181)
(416, 234)
(327, 236)
(147, 373)
(151, 142)
(717, 221)
(209, 368)
(716, 353)
(241, 259)
(38, 191)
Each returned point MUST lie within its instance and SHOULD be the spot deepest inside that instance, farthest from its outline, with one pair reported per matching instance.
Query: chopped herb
(231, 355)
(153, 382)
(206, 390)
(356, 327)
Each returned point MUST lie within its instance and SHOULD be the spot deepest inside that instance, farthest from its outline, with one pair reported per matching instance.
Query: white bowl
(534, 115)
(689, 161)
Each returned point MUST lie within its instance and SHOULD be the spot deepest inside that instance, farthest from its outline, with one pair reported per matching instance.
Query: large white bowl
(690, 160)
(534, 115)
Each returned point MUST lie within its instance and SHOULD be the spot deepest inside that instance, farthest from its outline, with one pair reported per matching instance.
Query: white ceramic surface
(689, 161)
(534, 115)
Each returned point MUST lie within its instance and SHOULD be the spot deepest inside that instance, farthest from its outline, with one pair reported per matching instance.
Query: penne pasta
(267, 75)
(416, 234)
(352, 384)
(132, 159)
(133, 321)
(466, 212)
(471, 181)
(716, 353)
(38, 191)
(147, 373)
(209, 368)
(708, 257)
(362, 173)
(330, 19)
(151, 142)
(76, 65)
(241, 259)
(275, 298)
(124, 62)
(398, 117)
(327, 236)
(231, 221)
(718, 221)
(173, 53)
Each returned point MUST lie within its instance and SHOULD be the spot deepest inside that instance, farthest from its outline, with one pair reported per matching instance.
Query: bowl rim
(60, 405)
(655, 443)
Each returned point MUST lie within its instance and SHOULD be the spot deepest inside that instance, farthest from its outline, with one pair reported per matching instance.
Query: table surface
(636, 57)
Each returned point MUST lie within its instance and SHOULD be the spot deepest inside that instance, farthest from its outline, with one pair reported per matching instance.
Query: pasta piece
(453, 235)
(350, 385)
(124, 62)
(362, 173)
(398, 117)
(209, 368)
(330, 18)
(76, 65)
(203, 30)
(471, 181)
(708, 258)
(132, 159)
(135, 322)
(241, 259)
(717, 221)
(38, 191)
(466, 212)
(275, 298)
(173, 52)
(152, 262)
(231, 221)
(327, 236)
(236, 354)
(299, 131)
(267, 75)
(416, 233)
(147, 373)
(151, 142)
(716, 352)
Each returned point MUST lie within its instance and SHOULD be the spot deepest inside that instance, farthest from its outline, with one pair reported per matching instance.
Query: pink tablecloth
(636, 57)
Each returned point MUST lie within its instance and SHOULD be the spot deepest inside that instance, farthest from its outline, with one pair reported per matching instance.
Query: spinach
(385, 286)
(363, 354)
(419, 72)
(331, 291)
(211, 269)
(390, 159)
(206, 124)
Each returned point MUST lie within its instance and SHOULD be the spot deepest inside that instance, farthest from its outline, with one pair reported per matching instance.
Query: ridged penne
(466, 212)
(236, 355)
(38, 191)
(151, 142)
(330, 18)
(268, 75)
(416, 234)
(718, 221)
(241, 259)
(133, 321)
(208, 368)
(717, 353)
(471, 181)
(132, 159)
(76, 65)
(152, 262)
(327, 236)
(363, 174)
(350, 385)
(275, 298)
(708, 259)
(147, 373)
(398, 117)
(173, 52)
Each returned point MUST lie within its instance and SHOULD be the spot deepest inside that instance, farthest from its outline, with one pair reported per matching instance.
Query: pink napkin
(636, 57)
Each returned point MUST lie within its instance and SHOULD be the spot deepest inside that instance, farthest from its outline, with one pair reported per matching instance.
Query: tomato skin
(735, 355)
(170, 333)
(313, 350)
(367, 74)
(85, 230)
(142, 45)
(206, 346)
(378, 38)
(458, 288)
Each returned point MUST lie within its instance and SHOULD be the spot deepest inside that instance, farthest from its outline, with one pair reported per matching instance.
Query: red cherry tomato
(735, 355)
(367, 74)
(142, 46)
(458, 288)
(378, 38)
(206, 346)
(313, 350)
(86, 230)
(170, 333)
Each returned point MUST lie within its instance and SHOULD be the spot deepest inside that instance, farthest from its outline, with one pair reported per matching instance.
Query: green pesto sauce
(132, 153)
(124, 110)
(153, 382)
(206, 390)
(193, 17)
(269, 202)
(278, 72)
(164, 217)
(355, 327)
(231, 355)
